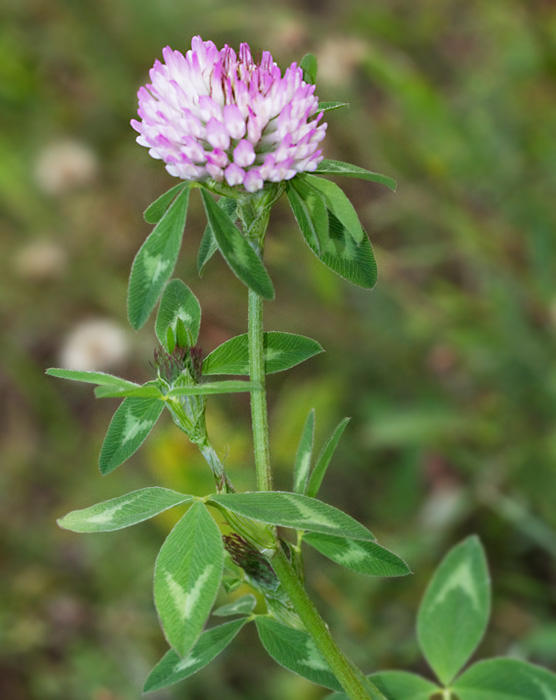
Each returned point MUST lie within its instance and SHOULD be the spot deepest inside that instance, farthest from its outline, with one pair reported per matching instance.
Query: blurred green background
(447, 367)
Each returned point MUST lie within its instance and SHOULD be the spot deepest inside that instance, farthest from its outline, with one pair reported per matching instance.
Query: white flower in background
(443, 508)
(63, 165)
(40, 261)
(290, 34)
(338, 58)
(96, 344)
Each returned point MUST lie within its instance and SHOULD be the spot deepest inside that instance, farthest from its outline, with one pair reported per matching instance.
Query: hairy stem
(196, 431)
(349, 676)
(351, 679)
(223, 483)
(259, 412)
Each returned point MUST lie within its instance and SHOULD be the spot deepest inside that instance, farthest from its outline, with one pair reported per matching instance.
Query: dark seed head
(250, 560)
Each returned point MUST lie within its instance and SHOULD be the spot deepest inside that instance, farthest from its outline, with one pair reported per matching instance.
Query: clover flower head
(221, 115)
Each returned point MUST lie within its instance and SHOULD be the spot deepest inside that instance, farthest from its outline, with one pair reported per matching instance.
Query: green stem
(196, 431)
(350, 677)
(223, 483)
(352, 680)
(259, 412)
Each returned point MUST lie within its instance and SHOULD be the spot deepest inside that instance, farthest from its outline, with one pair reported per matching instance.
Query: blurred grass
(447, 367)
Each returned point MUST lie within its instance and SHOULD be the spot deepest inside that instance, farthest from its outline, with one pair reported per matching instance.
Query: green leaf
(240, 256)
(296, 651)
(100, 378)
(117, 513)
(304, 453)
(231, 583)
(281, 351)
(330, 106)
(309, 66)
(187, 576)
(374, 694)
(337, 167)
(352, 261)
(208, 245)
(293, 510)
(129, 427)
(324, 458)
(149, 390)
(505, 679)
(241, 606)
(337, 202)
(355, 263)
(173, 669)
(155, 261)
(309, 209)
(401, 685)
(363, 557)
(155, 211)
(455, 609)
(398, 685)
(233, 386)
(178, 303)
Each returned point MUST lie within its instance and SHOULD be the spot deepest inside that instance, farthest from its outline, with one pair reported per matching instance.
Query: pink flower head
(213, 114)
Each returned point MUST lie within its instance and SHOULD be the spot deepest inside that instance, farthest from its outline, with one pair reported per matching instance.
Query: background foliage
(447, 367)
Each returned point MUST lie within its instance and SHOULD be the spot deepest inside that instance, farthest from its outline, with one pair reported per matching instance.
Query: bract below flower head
(214, 114)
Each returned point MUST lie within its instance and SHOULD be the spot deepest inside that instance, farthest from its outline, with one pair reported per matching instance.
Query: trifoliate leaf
(293, 510)
(208, 245)
(150, 390)
(173, 669)
(296, 651)
(129, 427)
(281, 351)
(155, 261)
(240, 256)
(308, 65)
(226, 387)
(325, 455)
(187, 577)
(367, 558)
(100, 378)
(330, 106)
(309, 208)
(124, 511)
(337, 202)
(337, 167)
(454, 612)
(155, 211)
(399, 685)
(351, 260)
(505, 679)
(302, 466)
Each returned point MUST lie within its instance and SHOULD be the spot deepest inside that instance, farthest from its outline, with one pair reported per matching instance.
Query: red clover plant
(237, 128)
